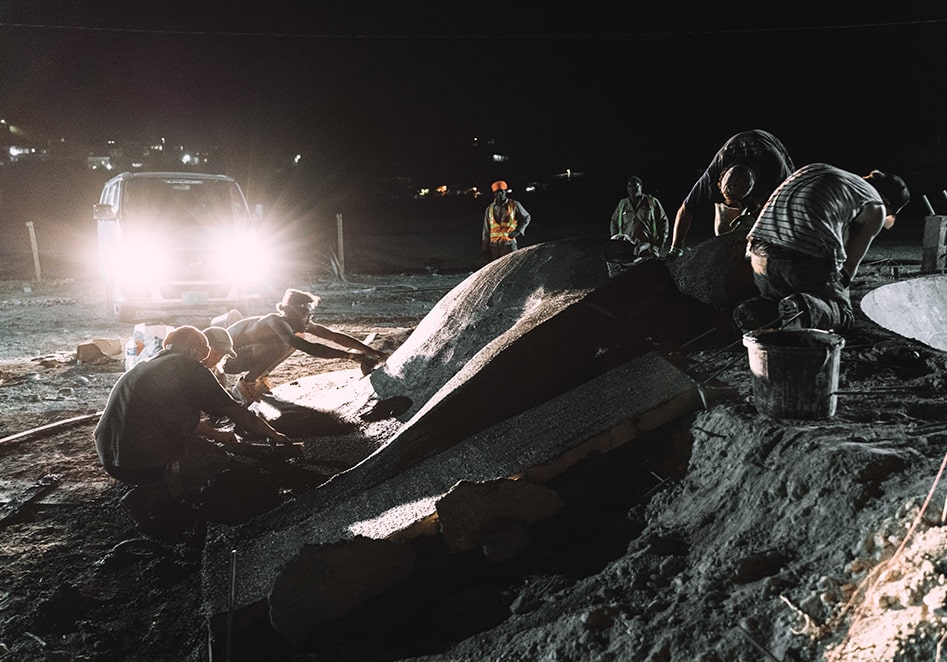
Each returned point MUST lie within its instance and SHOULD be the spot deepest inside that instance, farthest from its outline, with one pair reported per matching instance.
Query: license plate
(194, 297)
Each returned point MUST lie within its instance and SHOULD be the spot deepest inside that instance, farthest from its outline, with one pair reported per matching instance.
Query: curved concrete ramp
(543, 351)
(914, 308)
(487, 312)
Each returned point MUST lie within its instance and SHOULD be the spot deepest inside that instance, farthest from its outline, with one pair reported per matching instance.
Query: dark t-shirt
(758, 149)
(272, 329)
(154, 407)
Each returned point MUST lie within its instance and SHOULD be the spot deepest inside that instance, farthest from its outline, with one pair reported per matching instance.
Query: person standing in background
(641, 220)
(504, 221)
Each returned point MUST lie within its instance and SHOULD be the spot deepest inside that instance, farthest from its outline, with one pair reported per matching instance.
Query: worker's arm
(485, 235)
(208, 431)
(246, 420)
(615, 226)
(662, 225)
(682, 225)
(213, 399)
(317, 350)
(522, 222)
(344, 340)
(284, 333)
(863, 230)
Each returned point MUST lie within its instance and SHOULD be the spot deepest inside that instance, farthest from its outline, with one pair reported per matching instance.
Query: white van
(177, 242)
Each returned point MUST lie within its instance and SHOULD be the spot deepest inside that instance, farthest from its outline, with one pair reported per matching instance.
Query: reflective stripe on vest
(500, 229)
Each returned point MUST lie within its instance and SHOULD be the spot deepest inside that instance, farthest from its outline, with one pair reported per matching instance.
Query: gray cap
(219, 339)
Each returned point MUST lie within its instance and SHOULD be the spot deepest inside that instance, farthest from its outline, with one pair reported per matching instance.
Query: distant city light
(297, 159)
(187, 159)
(500, 158)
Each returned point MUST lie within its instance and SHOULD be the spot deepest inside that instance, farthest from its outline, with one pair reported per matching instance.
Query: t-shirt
(271, 329)
(811, 211)
(154, 407)
(757, 149)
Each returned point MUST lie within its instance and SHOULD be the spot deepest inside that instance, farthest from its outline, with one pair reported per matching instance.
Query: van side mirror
(103, 212)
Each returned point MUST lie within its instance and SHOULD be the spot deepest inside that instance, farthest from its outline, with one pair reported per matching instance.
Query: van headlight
(241, 257)
(141, 261)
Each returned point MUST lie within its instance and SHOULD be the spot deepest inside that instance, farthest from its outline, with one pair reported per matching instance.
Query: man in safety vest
(504, 221)
(641, 220)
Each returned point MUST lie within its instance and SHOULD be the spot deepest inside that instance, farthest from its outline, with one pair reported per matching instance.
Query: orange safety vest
(501, 228)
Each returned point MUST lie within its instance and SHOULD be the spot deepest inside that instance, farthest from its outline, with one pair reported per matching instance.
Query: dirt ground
(738, 537)
(66, 591)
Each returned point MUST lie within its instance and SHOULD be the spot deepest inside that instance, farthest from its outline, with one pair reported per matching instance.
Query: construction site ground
(727, 536)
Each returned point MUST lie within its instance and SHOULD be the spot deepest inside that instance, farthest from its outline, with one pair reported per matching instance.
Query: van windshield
(184, 202)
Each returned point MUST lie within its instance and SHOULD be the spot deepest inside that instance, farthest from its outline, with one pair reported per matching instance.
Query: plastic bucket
(795, 372)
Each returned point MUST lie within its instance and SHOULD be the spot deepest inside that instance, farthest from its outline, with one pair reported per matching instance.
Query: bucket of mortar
(795, 372)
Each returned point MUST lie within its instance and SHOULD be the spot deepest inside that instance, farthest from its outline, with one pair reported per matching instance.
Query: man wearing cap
(808, 242)
(149, 434)
(503, 222)
(641, 220)
(221, 346)
(733, 188)
(261, 343)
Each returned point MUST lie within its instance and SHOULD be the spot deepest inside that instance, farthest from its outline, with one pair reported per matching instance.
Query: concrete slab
(601, 414)
(914, 308)
(527, 366)
(934, 250)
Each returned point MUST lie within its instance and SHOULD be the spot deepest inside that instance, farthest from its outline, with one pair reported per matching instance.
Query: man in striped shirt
(807, 243)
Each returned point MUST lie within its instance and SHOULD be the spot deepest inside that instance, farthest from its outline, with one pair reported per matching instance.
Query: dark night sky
(405, 88)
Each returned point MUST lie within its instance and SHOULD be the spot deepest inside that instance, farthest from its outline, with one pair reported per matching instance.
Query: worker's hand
(515, 234)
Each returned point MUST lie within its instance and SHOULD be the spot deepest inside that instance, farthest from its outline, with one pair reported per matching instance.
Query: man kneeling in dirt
(264, 342)
(148, 435)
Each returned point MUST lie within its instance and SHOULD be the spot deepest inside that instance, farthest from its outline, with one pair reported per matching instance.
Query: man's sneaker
(792, 313)
(754, 314)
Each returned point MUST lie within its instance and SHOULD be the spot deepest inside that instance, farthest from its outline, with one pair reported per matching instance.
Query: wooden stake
(338, 225)
(39, 273)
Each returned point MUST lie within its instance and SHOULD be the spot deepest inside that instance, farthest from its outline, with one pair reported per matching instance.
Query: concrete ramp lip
(915, 308)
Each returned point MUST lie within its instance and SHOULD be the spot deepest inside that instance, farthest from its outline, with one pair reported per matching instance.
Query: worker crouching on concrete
(504, 221)
(736, 184)
(263, 342)
(149, 433)
(808, 242)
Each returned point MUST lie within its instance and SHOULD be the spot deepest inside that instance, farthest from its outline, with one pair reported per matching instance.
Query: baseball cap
(219, 339)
